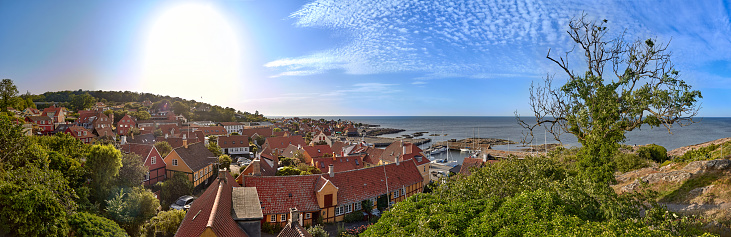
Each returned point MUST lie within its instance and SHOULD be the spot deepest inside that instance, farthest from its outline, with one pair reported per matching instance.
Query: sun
(191, 51)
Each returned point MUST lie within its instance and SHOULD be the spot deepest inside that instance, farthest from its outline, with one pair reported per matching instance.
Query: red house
(58, 114)
(153, 161)
(125, 124)
(80, 133)
(45, 123)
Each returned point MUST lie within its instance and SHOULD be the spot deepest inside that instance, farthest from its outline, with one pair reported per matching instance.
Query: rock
(717, 228)
(697, 167)
(672, 176)
(700, 191)
(630, 187)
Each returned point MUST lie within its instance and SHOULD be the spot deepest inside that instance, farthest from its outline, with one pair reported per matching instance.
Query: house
(126, 124)
(318, 151)
(276, 145)
(194, 160)
(44, 123)
(58, 114)
(141, 139)
(213, 130)
(265, 165)
(253, 132)
(80, 133)
(214, 212)
(474, 163)
(339, 164)
(321, 138)
(152, 160)
(332, 195)
(293, 227)
(32, 112)
(177, 141)
(232, 127)
(291, 151)
(234, 144)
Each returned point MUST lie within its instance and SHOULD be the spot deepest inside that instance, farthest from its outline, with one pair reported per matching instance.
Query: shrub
(628, 162)
(271, 228)
(353, 216)
(317, 231)
(86, 224)
(653, 152)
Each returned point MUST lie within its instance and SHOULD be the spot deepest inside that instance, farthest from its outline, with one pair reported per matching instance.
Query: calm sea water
(459, 127)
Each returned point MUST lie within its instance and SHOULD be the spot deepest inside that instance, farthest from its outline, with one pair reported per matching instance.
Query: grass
(678, 193)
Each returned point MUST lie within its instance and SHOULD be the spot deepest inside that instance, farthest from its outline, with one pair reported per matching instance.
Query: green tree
(35, 202)
(598, 109)
(87, 224)
(214, 148)
(180, 108)
(175, 187)
(166, 223)
(163, 148)
(158, 132)
(132, 173)
(103, 165)
(288, 170)
(13, 144)
(653, 152)
(81, 102)
(130, 209)
(8, 93)
(224, 161)
(141, 115)
(286, 161)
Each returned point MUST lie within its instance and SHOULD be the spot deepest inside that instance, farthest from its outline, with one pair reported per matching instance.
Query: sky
(339, 57)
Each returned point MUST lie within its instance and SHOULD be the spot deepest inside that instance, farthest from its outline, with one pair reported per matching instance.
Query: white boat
(464, 150)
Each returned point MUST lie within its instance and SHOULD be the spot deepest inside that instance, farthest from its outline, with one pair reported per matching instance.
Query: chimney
(185, 141)
(331, 170)
(166, 136)
(256, 169)
(294, 216)
(484, 157)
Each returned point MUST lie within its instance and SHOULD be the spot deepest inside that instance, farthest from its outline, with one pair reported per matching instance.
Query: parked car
(183, 203)
(244, 162)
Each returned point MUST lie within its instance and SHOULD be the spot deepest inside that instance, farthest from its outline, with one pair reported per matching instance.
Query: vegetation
(270, 228)
(317, 231)
(8, 93)
(653, 152)
(214, 148)
(224, 161)
(164, 224)
(625, 162)
(598, 109)
(131, 208)
(173, 188)
(710, 152)
(87, 224)
(163, 148)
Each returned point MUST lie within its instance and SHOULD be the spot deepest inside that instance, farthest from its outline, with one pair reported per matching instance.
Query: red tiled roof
(318, 150)
(282, 142)
(264, 132)
(361, 184)
(213, 130)
(39, 118)
(279, 193)
(233, 141)
(76, 129)
(340, 164)
(142, 150)
(296, 230)
(212, 210)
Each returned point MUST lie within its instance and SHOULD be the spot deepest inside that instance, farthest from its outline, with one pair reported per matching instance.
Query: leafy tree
(288, 170)
(132, 208)
(286, 161)
(175, 187)
(317, 231)
(35, 202)
(643, 89)
(141, 115)
(277, 130)
(214, 148)
(8, 93)
(224, 161)
(180, 108)
(87, 224)
(133, 171)
(81, 102)
(158, 132)
(13, 144)
(163, 148)
(653, 152)
(103, 165)
(164, 224)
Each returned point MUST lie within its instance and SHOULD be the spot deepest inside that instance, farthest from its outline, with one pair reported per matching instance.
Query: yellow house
(194, 160)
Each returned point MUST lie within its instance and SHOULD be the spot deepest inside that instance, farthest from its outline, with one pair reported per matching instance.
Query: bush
(86, 224)
(317, 231)
(353, 216)
(271, 228)
(628, 162)
(653, 152)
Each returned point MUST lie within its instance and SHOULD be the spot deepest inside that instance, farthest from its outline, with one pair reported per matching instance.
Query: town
(272, 176)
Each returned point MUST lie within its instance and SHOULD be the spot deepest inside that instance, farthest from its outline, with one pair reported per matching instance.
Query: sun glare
(191, 51)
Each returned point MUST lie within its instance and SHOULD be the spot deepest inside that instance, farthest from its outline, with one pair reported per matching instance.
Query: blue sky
(380, 57)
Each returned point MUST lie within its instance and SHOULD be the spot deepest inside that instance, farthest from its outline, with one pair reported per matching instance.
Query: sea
(506, 127)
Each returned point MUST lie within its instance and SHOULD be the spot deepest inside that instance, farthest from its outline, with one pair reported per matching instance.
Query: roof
(318, 150)
(178, 141)
(395, 150)
(213, 130)
(279, 193)
(105, 131)
(39, 118)
(246, 205)
(340, 164)
(196, 156)
(212, 210)
(141, 139)
(76, 129)
(264, 132)
(230, 123)
(233, 141)
(283, 142)
(143, 150)
(294, 230)
(358, 185)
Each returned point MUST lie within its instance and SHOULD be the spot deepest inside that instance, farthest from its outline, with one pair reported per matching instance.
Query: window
(357, 206)
(284, 217)
(338, 210)
(196, 176)
(348, 208)
(273, 218)
(308, 215)
(175, 162)
(147, 176)
(154, 160)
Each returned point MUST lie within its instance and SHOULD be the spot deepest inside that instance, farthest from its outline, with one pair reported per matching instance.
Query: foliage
(367, 205)
(286, 161)
(157, 132)
(271, 228)
(530, 197)
(131, 208)
(103, 165)
(382, 202)
(599, 109)
(288, 170)
(163, 148)
(653, 152)
(224, 161)
(710, 152)
(8, 93)
(317, 231)
(175, 187)
(132, 173)
(321, 143)
(355, 231)
(81, 102)
(626, 162)
(164, 224)
(87, 224)
(214, 148)
(35, 202)
(353, 216)
(13, 144)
